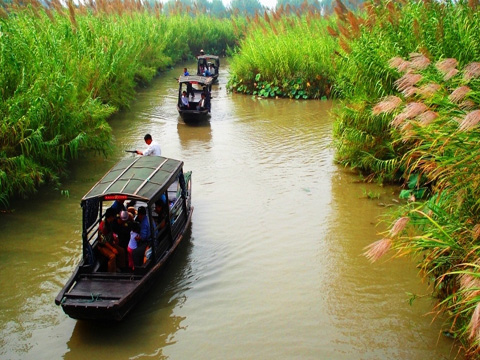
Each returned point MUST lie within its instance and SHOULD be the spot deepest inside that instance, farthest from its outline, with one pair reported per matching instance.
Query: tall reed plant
(65, 70)
(284, 55)
(418, 120)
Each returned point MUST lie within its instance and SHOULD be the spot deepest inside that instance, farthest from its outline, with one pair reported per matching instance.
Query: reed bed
(66, 70)
(284, 55)
(409, 80)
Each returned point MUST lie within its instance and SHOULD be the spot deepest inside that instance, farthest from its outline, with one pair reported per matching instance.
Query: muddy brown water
(272, 266)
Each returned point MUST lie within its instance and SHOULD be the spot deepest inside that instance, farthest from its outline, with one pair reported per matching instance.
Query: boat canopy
(203, 80)
(142, 178)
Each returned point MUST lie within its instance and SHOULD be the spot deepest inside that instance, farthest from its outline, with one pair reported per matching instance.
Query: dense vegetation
(409, 81)
(408, 78)
(407, 74)
(286, 54)
(66, 70)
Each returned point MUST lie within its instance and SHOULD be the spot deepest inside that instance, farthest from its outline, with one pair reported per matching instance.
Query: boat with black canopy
(194, 95)
(94, 293)
(208, 65)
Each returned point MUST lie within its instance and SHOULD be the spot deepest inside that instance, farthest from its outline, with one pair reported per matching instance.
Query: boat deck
(114, 287)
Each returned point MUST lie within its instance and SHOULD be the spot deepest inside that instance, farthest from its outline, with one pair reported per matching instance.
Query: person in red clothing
(108, 243)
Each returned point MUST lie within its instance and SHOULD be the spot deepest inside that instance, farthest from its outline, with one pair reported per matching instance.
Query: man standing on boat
(153, 148)
(143, 237)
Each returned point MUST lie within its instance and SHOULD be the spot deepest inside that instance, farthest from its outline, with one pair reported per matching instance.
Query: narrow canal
(271, 268)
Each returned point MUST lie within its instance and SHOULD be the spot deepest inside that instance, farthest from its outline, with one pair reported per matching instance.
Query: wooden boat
(194, 86)
(92, 293)
(210, 63)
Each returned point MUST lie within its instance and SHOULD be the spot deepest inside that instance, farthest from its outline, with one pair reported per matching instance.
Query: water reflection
(194, 135)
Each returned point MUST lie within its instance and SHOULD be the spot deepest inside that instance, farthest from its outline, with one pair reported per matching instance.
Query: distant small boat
(93, 293)
(208, 65)
(194, 86)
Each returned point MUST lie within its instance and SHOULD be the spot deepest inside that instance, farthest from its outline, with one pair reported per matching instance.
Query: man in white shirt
(153, 148)
(184, 99)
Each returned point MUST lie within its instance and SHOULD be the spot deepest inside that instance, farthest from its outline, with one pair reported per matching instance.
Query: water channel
(272, 267)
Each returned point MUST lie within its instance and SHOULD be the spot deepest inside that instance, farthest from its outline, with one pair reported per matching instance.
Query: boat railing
(91, 233)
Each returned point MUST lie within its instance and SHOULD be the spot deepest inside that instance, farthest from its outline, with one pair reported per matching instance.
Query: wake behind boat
(94, 293)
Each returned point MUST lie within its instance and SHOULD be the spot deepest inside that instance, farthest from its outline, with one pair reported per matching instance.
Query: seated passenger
(207, 99)
(201, 103)
(118, 206)
(185, 103)
(121, 227)
(108, 243)
(160, 205)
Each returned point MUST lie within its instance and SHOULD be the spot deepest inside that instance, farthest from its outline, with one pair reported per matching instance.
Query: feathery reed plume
(400, 64)
(474, 324)
(371, 15)
(398, 120)
(274, 29)
(354, 23)
(429, 89)
(470, 121)
(340, 10)
(399, 225)
(476, 232)
(3, 13)
(427, 117)
(407, 80)
(344, 31)
(376, 250)
(58, 7)
(470, 285)
(419, 61)
(473, 4)
(344, 45)
(395, 61)
(407, 131)
(446, 65)
(331, 31)
(471, 71)
(414, 109)
(387, 105)
(416, 31)
(71, 12)
(450, 74)
(265, 16)
(49, 14)
(459, 94)
(392, 12)
(467, 105)
(410, 91)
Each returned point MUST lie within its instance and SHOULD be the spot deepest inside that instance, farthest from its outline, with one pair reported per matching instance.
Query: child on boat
(132, 244)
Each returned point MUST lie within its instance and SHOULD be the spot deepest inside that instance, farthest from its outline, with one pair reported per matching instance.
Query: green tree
(299, 4)
(248, 7)
(216, 8)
